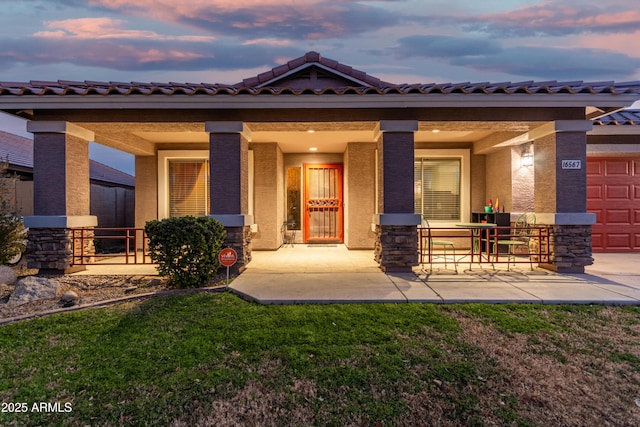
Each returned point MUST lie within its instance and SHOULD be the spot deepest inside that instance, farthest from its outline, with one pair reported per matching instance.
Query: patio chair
(519, 238)
(444, 244)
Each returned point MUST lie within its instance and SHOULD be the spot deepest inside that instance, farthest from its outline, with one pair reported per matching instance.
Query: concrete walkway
(333, 274)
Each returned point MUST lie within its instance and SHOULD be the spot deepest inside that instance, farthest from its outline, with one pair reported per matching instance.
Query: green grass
(167, 359)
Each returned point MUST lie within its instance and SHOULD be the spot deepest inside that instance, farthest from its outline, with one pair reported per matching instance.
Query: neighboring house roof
(340, 80)
(20, 153)
(622, 117)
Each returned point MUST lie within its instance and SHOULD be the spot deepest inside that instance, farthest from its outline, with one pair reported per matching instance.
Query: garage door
(613, 194)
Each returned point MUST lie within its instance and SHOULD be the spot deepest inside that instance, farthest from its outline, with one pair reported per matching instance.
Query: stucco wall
(359, 191)
(146, 199)
(498, 173)
(478, 182)
(268, 195)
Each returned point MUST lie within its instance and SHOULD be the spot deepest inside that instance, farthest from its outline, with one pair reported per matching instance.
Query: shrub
(12, 231)
(186, 248)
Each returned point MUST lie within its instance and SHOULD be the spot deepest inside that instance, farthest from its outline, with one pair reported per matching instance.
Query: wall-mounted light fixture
(526, 155)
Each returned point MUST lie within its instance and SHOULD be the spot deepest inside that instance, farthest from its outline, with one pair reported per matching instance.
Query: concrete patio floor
(332, 274)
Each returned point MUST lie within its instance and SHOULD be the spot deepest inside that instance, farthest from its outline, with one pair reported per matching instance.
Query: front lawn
(218, 360)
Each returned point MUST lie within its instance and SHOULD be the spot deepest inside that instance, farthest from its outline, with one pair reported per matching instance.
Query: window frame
(464, 155)
(164, 156)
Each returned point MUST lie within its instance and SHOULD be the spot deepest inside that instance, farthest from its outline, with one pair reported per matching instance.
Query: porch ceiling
(142, 138)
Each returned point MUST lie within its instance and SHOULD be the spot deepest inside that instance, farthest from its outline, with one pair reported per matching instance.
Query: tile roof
(20, 152)
(622, 117)
(258, 85)
(18, 149)
(308, 59)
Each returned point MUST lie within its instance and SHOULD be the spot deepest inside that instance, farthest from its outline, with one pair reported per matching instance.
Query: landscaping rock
(7, 275)
(31, 288)
(69, 298)
(154, 282)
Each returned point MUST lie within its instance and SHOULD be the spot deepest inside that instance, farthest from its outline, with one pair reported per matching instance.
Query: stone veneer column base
(396, 248)
(239, 239)
(569, 248)
(51, 249)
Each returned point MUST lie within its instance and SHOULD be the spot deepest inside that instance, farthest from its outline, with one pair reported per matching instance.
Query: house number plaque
(572, 164)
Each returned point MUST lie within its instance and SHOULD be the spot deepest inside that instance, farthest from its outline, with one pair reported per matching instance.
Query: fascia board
(239, 102)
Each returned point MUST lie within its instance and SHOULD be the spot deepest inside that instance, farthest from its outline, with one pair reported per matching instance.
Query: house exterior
(329, 151)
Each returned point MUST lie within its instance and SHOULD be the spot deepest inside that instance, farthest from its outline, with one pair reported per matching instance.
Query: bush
(12, 231)
(12, 237)
(186, 248)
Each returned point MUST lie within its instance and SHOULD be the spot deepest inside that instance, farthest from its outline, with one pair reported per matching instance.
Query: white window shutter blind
(188, 187)
(437, 188)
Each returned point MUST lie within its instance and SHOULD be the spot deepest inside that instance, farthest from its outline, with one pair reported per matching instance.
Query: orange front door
(323, 203)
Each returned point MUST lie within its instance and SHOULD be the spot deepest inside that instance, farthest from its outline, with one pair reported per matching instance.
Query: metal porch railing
(115, 246)
(481, 245)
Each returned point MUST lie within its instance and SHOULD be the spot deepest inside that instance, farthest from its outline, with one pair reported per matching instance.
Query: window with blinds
(437, 188)
(188, 187)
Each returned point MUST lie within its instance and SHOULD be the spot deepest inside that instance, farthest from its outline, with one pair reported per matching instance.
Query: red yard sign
(227, 257)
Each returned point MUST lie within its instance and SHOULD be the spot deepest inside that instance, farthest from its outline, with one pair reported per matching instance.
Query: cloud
(141, 55)
(437, 46)
(488, 56)
(554, 63)
(105, 28)
(558, 19)
(288, 19)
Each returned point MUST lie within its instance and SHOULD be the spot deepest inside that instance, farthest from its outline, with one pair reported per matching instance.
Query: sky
(400, 41)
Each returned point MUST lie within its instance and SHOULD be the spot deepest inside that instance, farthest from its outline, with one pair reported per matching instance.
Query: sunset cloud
(105, 28)
(435, 46)
(457, 40)
(554, 63)
(140, 55)
(311, 19)
(488, 56)
(558, 18)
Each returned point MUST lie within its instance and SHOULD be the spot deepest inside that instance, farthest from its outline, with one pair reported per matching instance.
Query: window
(437, 188)
(183, 183)
(293, 198)
(188, 187)
(447, 171)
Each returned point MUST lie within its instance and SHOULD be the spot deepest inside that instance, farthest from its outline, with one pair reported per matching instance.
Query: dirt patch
(570, 378)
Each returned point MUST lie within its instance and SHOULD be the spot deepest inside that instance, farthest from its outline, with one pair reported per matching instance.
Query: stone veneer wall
(570, 247)
(239, 239)
(52, 249)
(396, 247)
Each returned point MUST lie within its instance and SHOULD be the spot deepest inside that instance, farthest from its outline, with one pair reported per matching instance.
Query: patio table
(476, 238)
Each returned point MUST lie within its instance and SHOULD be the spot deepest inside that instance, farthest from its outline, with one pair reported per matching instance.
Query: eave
(347, 101)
